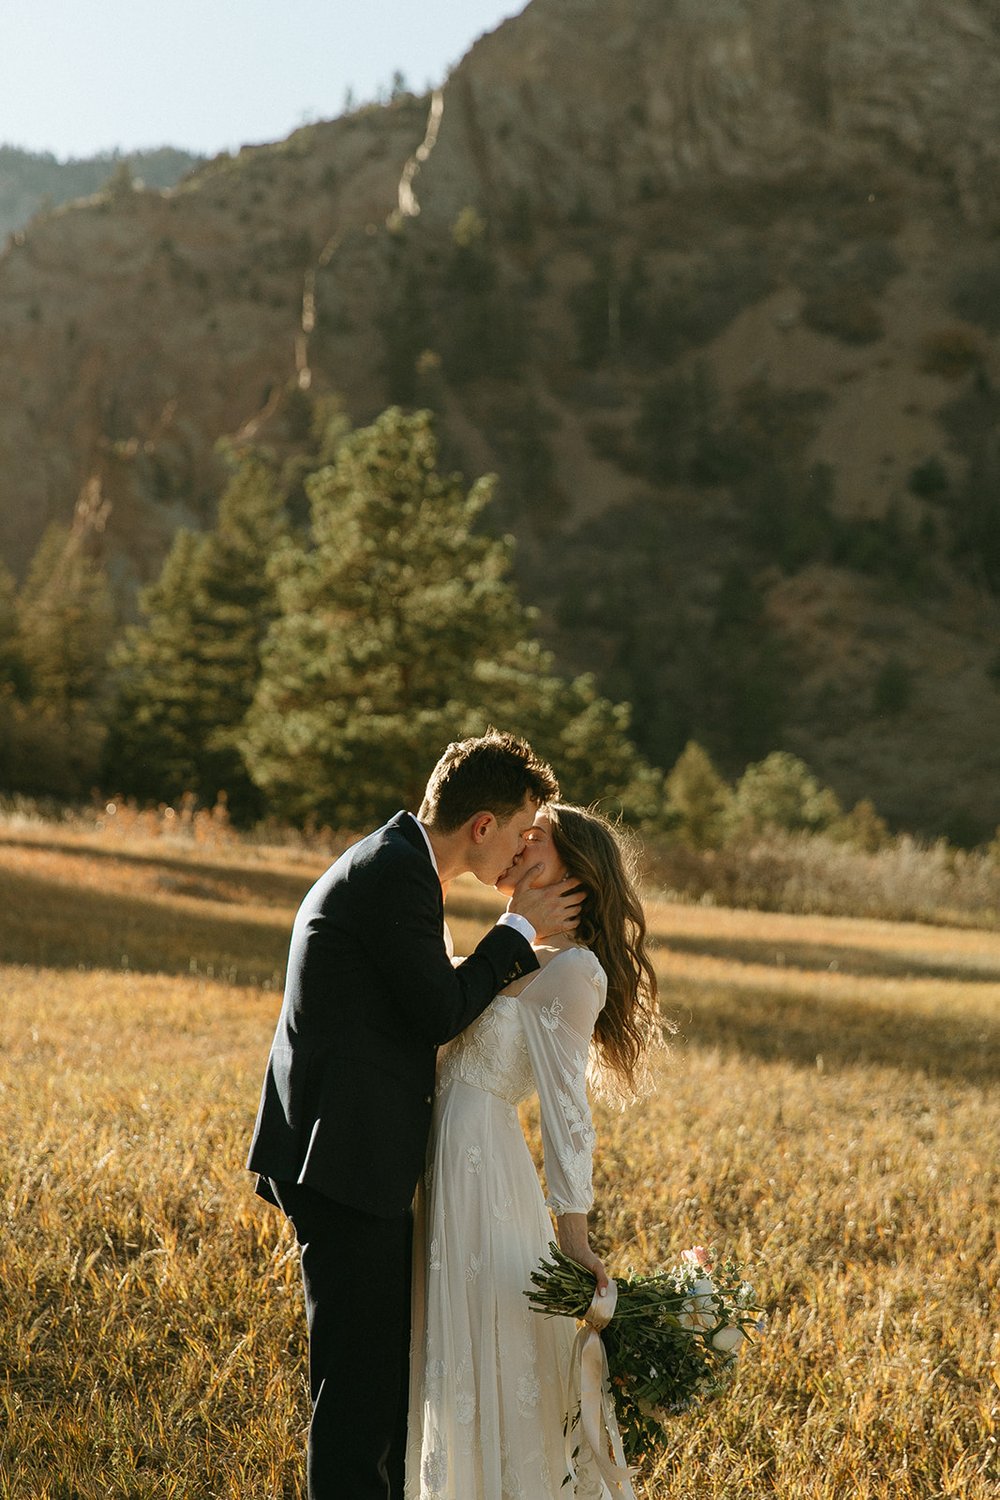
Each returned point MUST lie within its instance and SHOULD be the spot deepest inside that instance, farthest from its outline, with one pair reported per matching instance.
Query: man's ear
(480, 826)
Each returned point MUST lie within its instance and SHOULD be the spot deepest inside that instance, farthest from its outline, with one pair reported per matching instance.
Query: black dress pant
(356, 1276)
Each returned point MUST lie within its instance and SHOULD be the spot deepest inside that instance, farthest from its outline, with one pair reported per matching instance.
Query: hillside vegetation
(712, 288)
(36, 181)
(826, 1113)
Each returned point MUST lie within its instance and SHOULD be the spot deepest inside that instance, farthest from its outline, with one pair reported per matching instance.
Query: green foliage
(975, 293)
(66, 623)
(46, 752)
(694, 661)
(699, 302)
(951, 352)
(973, 424)
(862, 828)
(781, 792)
(929, 480)
(398, 631)
(53, 657)
(482, 323)
(406, 333)
(13, 667)
(746, 672)
(698, 799)
(529, 492)
(458, 305)
(841, 283)
(31, 181)
(893, 690)
(607, 310)
(187, 674)
(519, 218)
(679, 433)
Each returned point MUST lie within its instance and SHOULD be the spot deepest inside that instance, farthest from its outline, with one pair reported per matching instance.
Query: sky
(80, 77)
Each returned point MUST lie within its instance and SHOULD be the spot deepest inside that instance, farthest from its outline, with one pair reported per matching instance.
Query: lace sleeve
(558, 1015)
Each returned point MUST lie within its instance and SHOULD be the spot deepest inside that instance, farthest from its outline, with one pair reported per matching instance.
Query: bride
(489, 1383)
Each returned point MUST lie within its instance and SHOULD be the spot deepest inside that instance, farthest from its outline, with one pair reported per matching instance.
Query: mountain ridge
(719, 276)
(32, 181)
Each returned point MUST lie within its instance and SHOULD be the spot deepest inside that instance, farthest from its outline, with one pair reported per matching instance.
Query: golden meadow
(828, 1112)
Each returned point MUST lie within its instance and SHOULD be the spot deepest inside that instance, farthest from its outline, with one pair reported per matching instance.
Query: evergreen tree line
(306, 663)
(310, 660)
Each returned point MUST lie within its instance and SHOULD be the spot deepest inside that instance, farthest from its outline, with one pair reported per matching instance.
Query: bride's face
(539, 849)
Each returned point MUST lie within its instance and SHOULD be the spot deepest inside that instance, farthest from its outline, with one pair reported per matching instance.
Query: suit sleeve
(437, 999)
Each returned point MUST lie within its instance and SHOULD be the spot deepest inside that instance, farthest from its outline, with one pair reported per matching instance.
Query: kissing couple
(457, 1391)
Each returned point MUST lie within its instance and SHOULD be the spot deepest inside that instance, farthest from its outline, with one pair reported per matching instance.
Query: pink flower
(697, 1256)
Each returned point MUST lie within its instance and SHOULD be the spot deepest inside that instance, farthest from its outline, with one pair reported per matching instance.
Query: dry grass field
(829, 1112)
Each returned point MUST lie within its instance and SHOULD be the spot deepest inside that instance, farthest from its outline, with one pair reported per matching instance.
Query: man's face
(503, 842)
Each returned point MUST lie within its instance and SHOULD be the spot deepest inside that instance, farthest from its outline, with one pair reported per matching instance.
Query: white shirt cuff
(519, 924)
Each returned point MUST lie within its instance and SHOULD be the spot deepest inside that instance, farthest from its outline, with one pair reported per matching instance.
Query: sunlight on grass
(838, 1131)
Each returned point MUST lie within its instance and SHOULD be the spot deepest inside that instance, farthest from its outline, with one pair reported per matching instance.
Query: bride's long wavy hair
(604, 858)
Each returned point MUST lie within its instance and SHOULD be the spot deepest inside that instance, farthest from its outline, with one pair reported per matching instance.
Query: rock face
(598, 97)
(787, 208)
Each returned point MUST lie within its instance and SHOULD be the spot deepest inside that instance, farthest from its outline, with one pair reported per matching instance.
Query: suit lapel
(405, 824)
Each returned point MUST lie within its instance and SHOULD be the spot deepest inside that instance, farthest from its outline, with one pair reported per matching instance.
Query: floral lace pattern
(488, 1392)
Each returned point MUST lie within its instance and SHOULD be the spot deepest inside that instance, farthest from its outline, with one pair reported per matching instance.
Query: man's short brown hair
(493, 772)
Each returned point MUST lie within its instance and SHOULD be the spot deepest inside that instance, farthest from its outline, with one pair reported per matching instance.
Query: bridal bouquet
(672, 1342)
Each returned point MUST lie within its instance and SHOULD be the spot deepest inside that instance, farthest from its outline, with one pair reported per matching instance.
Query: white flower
(475, 1156)
(697, 1313)
(728, 1339)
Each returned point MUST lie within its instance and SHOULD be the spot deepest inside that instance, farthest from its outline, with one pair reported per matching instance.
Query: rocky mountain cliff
(713, 285)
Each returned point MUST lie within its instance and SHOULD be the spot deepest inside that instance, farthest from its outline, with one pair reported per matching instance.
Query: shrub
(903, 881)
(893, 690)
(847, 313)
(975, 294)
(698, 799)
(951, 352)
(929, 480)
(780, 792)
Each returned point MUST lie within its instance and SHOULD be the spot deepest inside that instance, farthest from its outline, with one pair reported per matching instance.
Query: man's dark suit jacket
(370, 994)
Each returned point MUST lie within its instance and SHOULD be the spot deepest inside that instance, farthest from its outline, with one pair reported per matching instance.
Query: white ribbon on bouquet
(590, 1381)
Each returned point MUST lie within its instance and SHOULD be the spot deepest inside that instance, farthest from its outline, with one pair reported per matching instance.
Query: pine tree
(66, 619)
(53, 724)
(698, 798)
(399, 630)
(187, 674)
(13, 668)
(781, 792)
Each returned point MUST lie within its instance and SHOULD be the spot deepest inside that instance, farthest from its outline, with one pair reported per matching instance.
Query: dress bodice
(492, 1054)
(537, 1041)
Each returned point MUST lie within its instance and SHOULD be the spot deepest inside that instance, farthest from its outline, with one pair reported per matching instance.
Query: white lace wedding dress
(488, 1384)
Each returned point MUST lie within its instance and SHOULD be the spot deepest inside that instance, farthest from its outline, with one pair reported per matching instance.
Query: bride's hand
(551, 909)
(573, 1241)
(596, 1267)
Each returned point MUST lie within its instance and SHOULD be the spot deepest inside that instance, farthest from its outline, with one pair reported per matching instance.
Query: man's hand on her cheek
(550, 909)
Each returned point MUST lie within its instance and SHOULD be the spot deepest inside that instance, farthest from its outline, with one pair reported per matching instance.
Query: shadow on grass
(49, 924)
(826, 957)
(811, 1031)
(233, 884)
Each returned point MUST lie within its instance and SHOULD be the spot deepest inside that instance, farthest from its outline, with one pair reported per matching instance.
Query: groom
(339, 1144)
